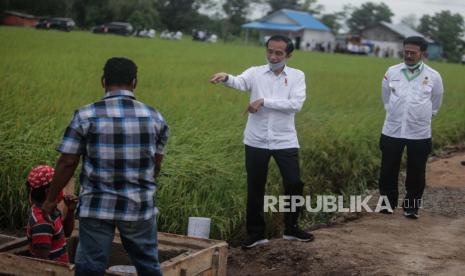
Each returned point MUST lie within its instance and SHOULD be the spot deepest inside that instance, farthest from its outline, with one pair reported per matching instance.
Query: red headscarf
(40, 176)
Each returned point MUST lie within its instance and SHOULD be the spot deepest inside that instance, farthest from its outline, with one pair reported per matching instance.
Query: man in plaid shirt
(121, 141)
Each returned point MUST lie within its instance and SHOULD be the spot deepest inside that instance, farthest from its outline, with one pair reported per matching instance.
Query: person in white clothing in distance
(277, 92)
(412, 94)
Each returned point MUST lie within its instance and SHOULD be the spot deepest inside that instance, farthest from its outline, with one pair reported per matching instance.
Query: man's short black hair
(287, 40)
(119, 71)
(417, 40)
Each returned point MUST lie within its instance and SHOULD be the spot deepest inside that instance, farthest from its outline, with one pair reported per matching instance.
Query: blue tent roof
(303, 20)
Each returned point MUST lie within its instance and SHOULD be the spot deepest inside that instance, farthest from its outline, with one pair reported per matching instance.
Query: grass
(46, 75)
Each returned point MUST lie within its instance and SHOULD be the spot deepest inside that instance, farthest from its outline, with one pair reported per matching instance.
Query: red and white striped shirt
(43, 234)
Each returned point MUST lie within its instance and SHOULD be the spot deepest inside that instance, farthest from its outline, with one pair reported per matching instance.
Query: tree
(180, 14)
(235, 11)
(4, 5)
(40, 8)
(410, 20)
(425, 26)
(447, 29)
(144, 16)
(311, 6)
(301, 5)
(333, 21)
(283, 4)
(367, 15)
(140, 13)
(337, 21)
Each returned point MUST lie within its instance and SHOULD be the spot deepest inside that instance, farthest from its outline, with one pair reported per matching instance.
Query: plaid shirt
(118, 138)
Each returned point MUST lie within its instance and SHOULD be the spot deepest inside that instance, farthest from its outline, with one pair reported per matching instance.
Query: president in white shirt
(412, 95)
(277, 92)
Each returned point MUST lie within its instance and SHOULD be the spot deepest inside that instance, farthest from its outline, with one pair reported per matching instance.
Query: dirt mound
(447, 172)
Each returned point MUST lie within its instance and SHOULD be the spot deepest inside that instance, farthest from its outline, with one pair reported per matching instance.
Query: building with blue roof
(307, 32)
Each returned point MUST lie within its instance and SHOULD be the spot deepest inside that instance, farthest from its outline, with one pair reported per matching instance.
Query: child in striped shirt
(46, 235)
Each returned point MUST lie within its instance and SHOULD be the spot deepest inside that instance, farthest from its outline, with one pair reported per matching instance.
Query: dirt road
(377, 244)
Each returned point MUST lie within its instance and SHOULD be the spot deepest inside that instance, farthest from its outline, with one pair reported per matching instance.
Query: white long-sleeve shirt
(272, 127)
(410, 100)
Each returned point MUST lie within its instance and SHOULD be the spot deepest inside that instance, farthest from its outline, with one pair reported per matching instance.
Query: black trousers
(417, 155)
(256, 163)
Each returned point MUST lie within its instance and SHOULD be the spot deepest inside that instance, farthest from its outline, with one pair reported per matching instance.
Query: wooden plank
(220, 260)
(11, 264)
(192, 264)
(19, 250)
(181, 257)
(208, 272)
(15, 243)
(211, 261)
(198, 262)
(5, 238)
(184, 241)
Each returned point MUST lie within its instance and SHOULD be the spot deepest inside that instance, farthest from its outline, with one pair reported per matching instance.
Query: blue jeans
(139, 238)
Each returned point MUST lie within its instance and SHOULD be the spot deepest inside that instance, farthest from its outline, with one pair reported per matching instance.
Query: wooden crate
(194, 256)
(12, 264)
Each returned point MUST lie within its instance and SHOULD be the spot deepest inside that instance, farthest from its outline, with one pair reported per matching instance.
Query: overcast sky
(400, 8)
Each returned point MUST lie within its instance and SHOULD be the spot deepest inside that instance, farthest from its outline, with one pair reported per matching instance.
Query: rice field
(46, 75)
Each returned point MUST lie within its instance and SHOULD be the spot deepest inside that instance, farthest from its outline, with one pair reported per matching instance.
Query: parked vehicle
(57, 23)
(120, 28)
